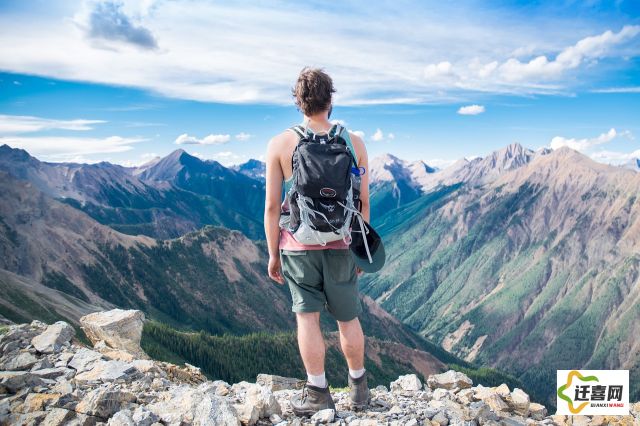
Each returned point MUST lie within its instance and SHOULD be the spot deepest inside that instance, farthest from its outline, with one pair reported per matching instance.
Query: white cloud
(541, 67)
(242, 136)
(471, 110)
(226, 158)
(26, 124)
(377, 136)
(441, 70)
(586, 143)
(431, 63)
(59, 148)
(185, 139)
(614, 157)
(631, 89)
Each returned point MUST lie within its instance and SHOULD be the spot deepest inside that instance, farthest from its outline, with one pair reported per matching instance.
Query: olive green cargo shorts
(320, 279)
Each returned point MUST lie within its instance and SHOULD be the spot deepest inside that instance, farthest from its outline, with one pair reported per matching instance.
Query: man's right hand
(275, 269)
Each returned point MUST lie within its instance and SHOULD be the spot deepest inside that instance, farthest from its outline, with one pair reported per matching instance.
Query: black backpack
(326, 187)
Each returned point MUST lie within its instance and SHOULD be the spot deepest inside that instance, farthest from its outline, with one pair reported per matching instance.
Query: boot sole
(309, 413)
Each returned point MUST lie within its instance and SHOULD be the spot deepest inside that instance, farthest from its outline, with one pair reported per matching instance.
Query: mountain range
(165, 198)
(527, 261)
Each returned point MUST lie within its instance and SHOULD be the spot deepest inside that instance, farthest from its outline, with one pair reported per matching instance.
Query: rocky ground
(48, 377)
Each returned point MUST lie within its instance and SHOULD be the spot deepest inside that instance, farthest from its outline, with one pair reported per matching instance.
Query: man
(318, 276)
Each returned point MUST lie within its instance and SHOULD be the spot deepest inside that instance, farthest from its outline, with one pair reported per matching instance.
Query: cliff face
(48, 377)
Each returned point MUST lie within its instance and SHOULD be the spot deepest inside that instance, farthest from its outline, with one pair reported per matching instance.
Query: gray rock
(58, 417)
(409, 382)
(263, 399)
(108, 371)
(53, 338)
(449, 380)
(518, 401)
(184, 404)
(52, 373)
(143, 417)
(277, 383)
(16, 380)
(21, 361)
(122, 418)
(440, 418)
(84, 359)
(537, 411)
(104, 401)
(118, 328)
(324, 416)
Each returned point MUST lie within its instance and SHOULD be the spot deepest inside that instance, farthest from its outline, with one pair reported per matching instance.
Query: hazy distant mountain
(164, 198)
(255, 169)
(525, 261)
(394, 182)
(481, 169)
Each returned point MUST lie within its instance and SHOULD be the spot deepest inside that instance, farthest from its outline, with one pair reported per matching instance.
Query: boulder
(184, 404)
(323, 416)
(38, 401)
(537, 411)
(104, 401)
(276, 383)
(53, 338)
(263, 399)
(449, 380)
(119, 329)
(409, 382)
(21, 361)
(496, 403)
(84, 359)
(14, 381)
(108, 371)
(518, 401)
(58, 417)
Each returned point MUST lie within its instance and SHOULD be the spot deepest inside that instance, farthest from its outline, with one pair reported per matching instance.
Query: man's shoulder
(283, 138)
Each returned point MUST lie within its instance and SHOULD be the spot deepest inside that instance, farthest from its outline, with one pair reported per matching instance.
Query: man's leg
(311, 344)
(352, 343)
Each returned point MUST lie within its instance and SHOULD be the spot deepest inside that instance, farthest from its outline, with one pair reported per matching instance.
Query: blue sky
(124, 81)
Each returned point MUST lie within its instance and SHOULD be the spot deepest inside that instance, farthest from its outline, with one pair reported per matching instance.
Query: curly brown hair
(313, 91)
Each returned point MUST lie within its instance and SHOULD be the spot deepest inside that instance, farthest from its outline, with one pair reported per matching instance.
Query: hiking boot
(359, 392)
(311, 400)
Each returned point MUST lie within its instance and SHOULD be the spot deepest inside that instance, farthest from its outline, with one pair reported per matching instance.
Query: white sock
(319, 381)
(356, 374)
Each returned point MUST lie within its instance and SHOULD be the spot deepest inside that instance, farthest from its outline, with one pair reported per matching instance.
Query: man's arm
(274, 178)
(363, 161)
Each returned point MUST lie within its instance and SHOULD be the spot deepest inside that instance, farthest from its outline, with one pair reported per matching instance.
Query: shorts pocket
(342, 267)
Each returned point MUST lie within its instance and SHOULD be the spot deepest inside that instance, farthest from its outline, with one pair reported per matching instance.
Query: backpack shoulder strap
(345, 135)
(298, 130)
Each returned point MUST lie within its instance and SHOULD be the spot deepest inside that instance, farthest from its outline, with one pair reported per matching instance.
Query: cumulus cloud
(27, 124)
(379, 136)
(186, 139)
(586, 143)
(60, 148)
(242, 136)
(107, 21)
(593, 47)
(471, 110)
(439, 71)
(479, 75)
(197, 63)
(615, 157)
